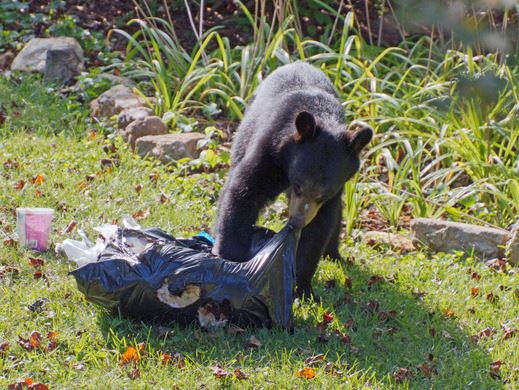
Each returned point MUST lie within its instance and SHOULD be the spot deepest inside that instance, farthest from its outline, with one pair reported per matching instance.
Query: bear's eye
(298, 191)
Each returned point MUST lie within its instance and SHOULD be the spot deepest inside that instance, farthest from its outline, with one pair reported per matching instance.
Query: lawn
(413, 320)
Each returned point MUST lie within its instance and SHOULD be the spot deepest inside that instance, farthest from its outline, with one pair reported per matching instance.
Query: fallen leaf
(138, 188)
(425, 369)
(11, 164)
(38, 193)
(487, 332)
(130, 355)
(27, 384)
(37, 180)
(495, 368)
(92, 135)
(306, 373)
(239, 374)
(498, 265)
(315, 360)
(331, 369)
(509, 333)
(372, 306)
(474, 291)
(163, 198)
(475, 276)
(177, 360)
(35, 339)
(141, 214)
(36, 262)
(70, 227)
(448, 312)
(253, 342)
(51, 346)
(37, 275)
(19, 185)
(402, 374)
(345, 338)
(220, 372)
(134, 374)
(492, 298)
(4, 346)
(327, 317)
(154, 177)
(9, 242)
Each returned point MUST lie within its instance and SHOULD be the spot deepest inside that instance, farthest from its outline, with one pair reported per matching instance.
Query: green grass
(436, 314)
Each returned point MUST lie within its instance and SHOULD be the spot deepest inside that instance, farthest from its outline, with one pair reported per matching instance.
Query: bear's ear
(359, 138)
(305, 126)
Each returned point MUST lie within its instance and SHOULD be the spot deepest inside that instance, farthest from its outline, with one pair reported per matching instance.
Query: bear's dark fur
(292, 138)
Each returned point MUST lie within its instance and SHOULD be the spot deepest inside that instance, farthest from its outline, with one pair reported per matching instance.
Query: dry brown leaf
(37, 180)
(306, 373)
(327, 317)
(138, 188)
(239, 374)
(135, 373)
(315, 360)
(220, 372)
(19, 185)
(448, 312)
(474, 291)
(130, 355)
(36, 262)
(70, 227)
(141, 214)
(402, 374)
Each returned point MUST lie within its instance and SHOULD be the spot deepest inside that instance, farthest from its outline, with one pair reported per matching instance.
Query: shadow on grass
(435, 350)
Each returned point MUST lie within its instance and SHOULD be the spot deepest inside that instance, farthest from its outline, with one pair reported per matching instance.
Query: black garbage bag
(150, 275)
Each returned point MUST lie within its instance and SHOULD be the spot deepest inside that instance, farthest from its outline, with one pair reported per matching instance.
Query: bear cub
(292, 138)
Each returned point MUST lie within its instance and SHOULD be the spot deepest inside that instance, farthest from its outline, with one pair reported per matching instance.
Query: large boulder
(151, 125)
(445, 236)
(49, 56)
(169, 147)
(62, 65)
(115, 100)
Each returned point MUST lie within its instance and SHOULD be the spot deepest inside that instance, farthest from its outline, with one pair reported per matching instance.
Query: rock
(33, 57)
(132, 114)
(395, 241)
(445, 236)
(512, 246)
(115, 100)
(151, 125)
(6, 59)
(62, 65)
(169, 147)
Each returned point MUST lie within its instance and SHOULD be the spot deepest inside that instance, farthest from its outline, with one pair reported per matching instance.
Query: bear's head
(319, 160)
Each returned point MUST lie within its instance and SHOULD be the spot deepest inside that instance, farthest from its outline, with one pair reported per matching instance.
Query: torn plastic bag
(150, 275)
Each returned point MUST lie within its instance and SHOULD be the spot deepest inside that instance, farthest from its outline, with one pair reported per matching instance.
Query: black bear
(292, 138)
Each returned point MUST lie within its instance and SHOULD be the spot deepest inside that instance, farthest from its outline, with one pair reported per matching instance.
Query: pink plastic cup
(33, 227)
